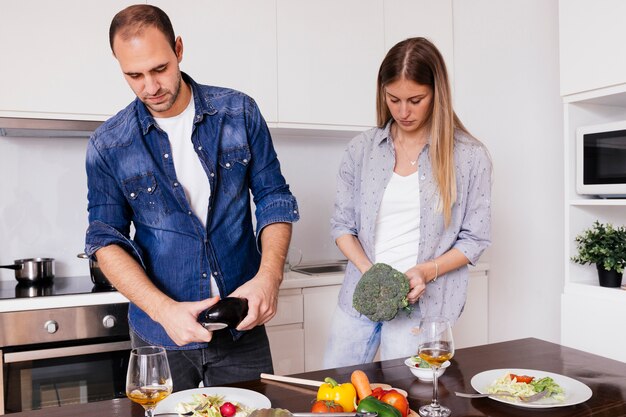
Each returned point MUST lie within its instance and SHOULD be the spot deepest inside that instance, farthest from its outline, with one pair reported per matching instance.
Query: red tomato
(228, 409)
(522, 378)
(397, 400)
(323, 406)
(378, 392)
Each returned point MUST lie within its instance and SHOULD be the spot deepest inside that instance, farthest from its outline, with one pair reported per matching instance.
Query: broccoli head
(381, 292)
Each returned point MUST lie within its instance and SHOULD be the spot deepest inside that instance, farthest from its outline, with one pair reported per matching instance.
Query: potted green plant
(605, 246)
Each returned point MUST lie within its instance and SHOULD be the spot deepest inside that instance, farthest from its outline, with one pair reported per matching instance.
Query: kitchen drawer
(290, 308)
(287, 345)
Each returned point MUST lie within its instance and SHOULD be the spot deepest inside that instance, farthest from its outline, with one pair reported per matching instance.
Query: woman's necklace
(395, 138)
(412, 162)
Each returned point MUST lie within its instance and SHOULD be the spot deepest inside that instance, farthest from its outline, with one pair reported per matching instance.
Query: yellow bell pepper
(342, 394)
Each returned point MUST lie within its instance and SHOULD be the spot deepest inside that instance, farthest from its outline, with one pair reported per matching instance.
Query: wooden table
(605, 377)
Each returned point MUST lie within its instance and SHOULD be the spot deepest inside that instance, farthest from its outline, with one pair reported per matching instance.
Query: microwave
(601, 160)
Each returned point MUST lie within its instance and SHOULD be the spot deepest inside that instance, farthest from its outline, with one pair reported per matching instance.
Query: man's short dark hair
(134, 19)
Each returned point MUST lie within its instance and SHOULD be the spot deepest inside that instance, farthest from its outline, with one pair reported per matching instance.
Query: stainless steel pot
(97, 276)
(32, 270)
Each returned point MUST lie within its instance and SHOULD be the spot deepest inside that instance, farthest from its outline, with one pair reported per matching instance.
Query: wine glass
(436, 346)
(148, 380)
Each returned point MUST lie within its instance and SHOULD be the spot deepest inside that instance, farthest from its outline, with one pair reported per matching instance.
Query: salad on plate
(525, 386)
(203, 405)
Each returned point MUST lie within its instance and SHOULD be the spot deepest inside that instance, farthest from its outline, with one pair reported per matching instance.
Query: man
(178, 163)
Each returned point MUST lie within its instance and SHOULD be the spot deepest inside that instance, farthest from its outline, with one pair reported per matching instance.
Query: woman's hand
(352, 249)
(417, 282)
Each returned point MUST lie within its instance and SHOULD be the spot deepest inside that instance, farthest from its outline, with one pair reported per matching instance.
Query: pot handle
(15, 267)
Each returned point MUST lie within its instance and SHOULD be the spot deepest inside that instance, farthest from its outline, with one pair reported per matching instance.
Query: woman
(413, 193)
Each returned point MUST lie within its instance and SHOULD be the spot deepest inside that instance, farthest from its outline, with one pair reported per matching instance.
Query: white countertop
(291, 280)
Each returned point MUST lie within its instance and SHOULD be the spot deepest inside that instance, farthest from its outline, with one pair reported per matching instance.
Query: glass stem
(435, 402)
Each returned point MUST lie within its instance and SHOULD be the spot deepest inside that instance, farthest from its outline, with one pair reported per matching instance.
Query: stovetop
(58, 286)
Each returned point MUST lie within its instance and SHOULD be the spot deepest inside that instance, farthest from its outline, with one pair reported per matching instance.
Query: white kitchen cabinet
(308, 64)
(286, 334)
(319, 305)
(590, 313)
(591, 44)
(287, 344)
(329, 54)
(593, 86)
(328, 57)
(472, 328)
(299, 331)
(57, 62)
(229, 44)
(594, 323)
(431, 19)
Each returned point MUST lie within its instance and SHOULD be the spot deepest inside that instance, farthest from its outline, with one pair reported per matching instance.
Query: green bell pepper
(372, 404)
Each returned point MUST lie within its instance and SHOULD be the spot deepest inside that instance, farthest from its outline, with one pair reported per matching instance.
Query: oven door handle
(33, 355)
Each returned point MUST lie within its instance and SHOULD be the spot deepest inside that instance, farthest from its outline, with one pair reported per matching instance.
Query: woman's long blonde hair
(418, 60)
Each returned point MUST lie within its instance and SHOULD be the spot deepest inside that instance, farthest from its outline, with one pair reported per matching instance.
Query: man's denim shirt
(131, 179)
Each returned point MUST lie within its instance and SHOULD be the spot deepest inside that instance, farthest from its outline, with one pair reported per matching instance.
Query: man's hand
(180, 321)
(262, 294)
(262, 290)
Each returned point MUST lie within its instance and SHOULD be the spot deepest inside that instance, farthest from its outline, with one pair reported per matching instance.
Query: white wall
(507, 94)
(43, 202)
(310, 164)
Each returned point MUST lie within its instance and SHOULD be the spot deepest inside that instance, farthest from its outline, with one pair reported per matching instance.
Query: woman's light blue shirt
(365, 170)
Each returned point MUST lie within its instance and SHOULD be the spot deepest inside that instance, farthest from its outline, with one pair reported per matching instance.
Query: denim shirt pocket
(233, 169)
(145, 198)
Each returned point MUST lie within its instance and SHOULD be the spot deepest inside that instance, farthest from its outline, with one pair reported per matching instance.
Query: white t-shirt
(396, 240)
(189, 171)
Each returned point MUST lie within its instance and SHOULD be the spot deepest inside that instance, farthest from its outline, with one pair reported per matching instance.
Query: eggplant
(226, 313)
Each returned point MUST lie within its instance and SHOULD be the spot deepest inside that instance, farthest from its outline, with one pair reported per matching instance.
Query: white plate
(575, 391)
(246, 397)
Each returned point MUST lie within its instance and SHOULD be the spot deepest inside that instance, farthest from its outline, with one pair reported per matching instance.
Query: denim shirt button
(295, 211)
(189, 212)
(132, 195)
(175, 184)
(167, 155)
(149, 189)
(227, 164)
(214, 274)
(199, 148)
(245, 161)
(212, 174)
(204, 275)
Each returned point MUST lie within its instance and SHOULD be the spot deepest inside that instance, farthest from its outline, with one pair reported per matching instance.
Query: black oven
(53, 357)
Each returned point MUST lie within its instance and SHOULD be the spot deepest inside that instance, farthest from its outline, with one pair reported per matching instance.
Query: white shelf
(598, 202)
(595, 290)
(614, 95)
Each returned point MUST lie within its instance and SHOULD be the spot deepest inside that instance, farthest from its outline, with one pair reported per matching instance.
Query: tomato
(397, 400)
(228, 409)
(324, 406)
(378, 392)
(522, 378)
